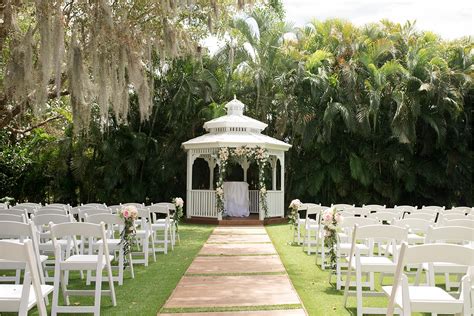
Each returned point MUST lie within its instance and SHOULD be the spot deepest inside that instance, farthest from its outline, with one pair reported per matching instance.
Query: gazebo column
(245, 166)
(211, 162)
(273, 163)
(189, 182)
(282, 181)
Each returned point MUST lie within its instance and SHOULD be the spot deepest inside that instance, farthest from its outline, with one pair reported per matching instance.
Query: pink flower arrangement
(129, 212)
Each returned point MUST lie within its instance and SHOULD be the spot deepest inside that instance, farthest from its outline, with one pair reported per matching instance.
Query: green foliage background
(376, 114)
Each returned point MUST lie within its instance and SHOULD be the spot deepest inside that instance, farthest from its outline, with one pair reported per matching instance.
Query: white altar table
(236, 199)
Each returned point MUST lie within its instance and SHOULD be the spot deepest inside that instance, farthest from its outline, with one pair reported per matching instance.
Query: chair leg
(145, 249)
(17, 276)
(153, 247)
(63, 282)
(111, 284)
(55, 302)
(98, 291)
(359, 291)
(120, 267)
(165, 242)
(132, 272)
(448, 282)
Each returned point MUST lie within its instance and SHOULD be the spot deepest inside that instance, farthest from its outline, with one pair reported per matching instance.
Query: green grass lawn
(312, 284)
(148, 292)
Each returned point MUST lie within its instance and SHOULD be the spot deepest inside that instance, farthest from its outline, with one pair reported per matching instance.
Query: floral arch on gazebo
(236, 138)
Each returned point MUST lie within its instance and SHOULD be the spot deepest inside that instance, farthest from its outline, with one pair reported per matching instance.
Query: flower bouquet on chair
(293, 218)
(178, 213)
(128, 235)
(331, 219)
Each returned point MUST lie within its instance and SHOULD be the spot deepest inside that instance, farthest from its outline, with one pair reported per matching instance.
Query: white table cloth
(236, 199)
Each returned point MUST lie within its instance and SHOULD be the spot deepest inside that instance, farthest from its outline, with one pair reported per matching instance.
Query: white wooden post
(245, 166)
(189, 184)
(282, 181)
(211, 162)
(273, 163)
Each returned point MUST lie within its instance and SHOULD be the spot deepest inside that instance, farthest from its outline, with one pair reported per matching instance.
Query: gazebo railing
(202, 203)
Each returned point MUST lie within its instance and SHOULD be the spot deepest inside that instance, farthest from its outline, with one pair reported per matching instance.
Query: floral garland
(331, 219)
(179, 204)
(293, 216)
(128, 235)
(257, 154)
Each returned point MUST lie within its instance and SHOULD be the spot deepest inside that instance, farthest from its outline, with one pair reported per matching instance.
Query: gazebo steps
(252, 220)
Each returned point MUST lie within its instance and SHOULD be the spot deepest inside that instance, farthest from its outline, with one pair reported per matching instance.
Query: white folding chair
(30, 208)
(51, 210)
(15, 211)
(451, 235)
(299, 224)
(161, 227)
(446, 216)
(459, 209)
(459, 222)
(12, 218)
(145, 238)
(358, 211)
(432, 208)
(4, 205)
(112, 224)
(345, 244)
(342, 207)
(137, 205)
(59, 205)
(384, 217)
(374, 207)
(46, 247)
(430, 299)
(95, 205)
(417, 229)
(173, 225)
(422, 215)
(115, 208)
(90, 261)
(312, 226)
(405, 209)
(371, 263)
(92, 211)
(20, 232)
(21, 298)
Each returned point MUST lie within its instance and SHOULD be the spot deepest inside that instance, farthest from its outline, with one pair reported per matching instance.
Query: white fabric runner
(236, 199)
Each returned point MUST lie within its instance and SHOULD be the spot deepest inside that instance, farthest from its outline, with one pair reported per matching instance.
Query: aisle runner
(237, 272)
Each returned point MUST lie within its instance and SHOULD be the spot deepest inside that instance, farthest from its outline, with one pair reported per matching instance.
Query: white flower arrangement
(260, 155)
(293, 216)
(179, 204)
(129, 214)
(331, 219)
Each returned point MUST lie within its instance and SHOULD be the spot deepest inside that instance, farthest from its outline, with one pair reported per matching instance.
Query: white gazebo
(234, 130)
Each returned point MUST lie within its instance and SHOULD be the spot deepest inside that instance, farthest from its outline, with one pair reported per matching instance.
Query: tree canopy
(380, 113)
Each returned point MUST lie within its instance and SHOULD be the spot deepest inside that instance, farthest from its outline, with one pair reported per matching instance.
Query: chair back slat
(446, 253)
(382, 232)
(12, 218)
(459, 222)
(457, 234)
(76, 229)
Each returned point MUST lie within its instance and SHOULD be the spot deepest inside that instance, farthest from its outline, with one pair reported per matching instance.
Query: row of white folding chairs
(313, 240)
(167, 224)
(363, 260)
(18, 297)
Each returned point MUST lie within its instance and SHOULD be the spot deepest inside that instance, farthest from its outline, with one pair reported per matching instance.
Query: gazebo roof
(235, 130)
